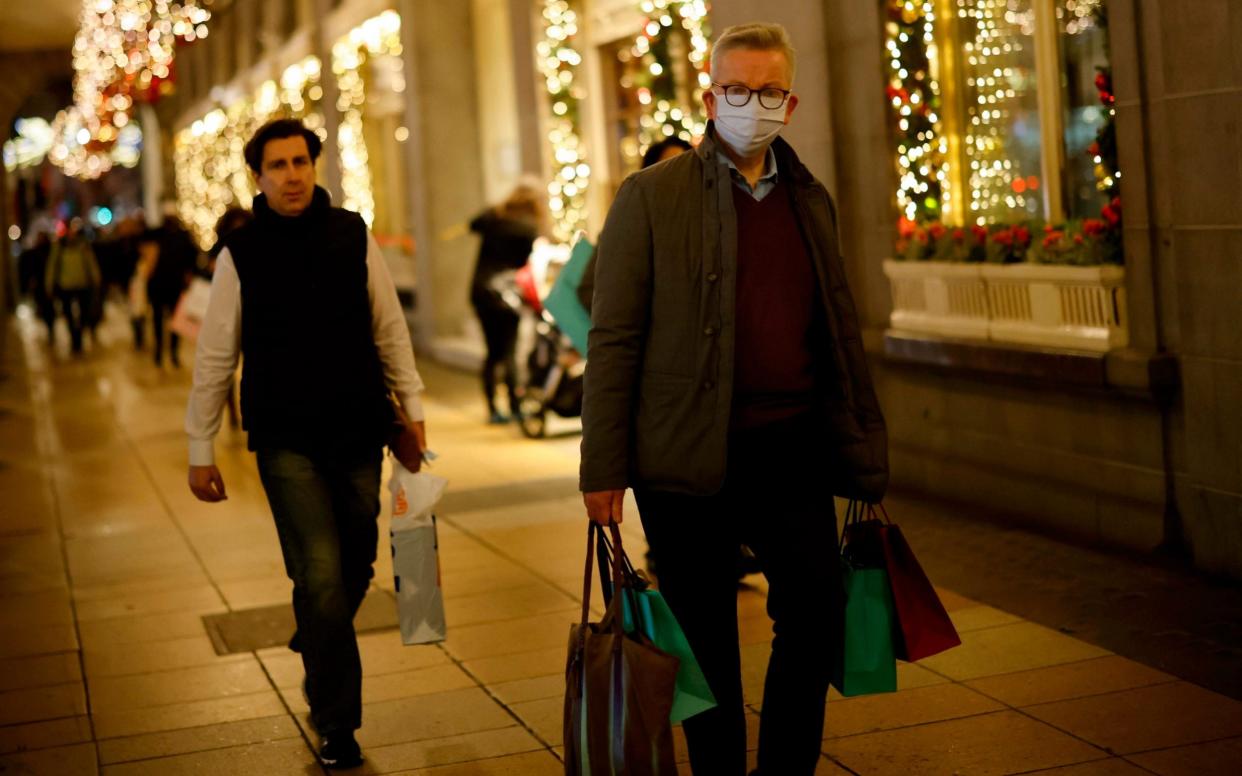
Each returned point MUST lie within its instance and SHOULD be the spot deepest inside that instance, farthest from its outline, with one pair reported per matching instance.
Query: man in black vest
(325, 341)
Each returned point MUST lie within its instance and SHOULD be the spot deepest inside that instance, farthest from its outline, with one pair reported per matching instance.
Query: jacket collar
(321, 200)
(787, 161)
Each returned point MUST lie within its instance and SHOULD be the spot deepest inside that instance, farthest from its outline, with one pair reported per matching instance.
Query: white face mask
(750, 129)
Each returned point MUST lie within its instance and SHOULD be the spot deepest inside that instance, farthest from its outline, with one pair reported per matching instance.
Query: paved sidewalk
(108, 564)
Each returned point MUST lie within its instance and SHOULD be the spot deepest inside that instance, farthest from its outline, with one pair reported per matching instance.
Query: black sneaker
(339, 751)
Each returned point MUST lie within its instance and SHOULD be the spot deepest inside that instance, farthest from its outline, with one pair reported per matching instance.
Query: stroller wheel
(534, 420)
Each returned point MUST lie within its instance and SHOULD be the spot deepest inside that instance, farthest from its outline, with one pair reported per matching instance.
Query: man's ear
(709, 102)
(790, 105)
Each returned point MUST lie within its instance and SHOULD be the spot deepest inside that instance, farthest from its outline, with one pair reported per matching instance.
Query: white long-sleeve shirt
(219, 348)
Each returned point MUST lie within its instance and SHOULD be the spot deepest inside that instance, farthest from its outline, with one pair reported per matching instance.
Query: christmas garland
(665, 114)
(558, 63)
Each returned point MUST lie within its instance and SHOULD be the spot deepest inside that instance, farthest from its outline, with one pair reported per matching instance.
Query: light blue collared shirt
(766, 182)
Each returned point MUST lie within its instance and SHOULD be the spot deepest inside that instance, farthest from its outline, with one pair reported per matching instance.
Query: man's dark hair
(279, 129)
(657, 150)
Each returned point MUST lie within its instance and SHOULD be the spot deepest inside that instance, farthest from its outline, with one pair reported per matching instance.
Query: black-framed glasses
(738, 95)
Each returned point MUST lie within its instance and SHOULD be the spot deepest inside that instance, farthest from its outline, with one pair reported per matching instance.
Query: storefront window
(1090, 140)
(1001, 113)
(1002, 130)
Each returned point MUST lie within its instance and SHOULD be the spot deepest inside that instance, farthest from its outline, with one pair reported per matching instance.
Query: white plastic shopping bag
(191, 309)
(415, 559)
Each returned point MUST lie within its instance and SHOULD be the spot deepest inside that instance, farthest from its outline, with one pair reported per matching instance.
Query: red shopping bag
(923, 627)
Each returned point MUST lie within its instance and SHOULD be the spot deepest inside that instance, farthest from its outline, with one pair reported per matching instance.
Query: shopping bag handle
(856, 511)
(604, 553)
(617, 581)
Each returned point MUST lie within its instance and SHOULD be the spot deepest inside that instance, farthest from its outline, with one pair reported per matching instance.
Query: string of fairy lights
(913, 93)
(376, 37)
(673, 104)
(558, 61)
(997, 80)
(122, 55)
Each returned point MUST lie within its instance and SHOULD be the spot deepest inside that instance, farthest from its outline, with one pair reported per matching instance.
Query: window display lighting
(558, 61)
(669, 107)
(376, 37)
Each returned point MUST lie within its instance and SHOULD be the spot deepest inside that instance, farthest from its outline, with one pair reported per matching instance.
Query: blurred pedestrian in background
(175, 258)
(508, 231)
(72, 278)
(32, 273)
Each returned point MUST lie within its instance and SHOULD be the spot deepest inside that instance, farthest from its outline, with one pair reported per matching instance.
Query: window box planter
(1081, 308)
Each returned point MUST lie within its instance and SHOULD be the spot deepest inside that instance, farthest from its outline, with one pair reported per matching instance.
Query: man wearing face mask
(728, 387)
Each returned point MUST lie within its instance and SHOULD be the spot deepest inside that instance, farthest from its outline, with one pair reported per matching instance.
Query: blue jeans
(325, 510)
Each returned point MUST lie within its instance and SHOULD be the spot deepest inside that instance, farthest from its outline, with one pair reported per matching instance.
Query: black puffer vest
(312, 380)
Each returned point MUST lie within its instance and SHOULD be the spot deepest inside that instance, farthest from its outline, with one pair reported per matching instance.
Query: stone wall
(1187, 95)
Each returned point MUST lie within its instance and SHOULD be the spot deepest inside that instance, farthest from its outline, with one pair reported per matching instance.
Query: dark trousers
(75, 304)
(775, 501)
(325, 511)
(500, 330)
(160, 313)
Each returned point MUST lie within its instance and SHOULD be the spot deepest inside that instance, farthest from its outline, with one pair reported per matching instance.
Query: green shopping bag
(867, 663)
(691, 694)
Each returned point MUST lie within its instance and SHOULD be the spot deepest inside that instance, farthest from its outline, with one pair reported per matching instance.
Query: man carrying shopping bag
(727, 385)
(304, 291)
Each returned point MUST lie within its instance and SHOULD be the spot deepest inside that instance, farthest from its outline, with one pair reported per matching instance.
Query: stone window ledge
(1125, 372)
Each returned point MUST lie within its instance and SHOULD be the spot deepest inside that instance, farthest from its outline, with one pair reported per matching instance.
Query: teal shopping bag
(562, 301)
(868, 662)
(656, 621)
(691, 694)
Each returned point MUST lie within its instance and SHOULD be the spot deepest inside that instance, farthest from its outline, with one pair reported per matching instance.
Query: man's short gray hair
(755, 36)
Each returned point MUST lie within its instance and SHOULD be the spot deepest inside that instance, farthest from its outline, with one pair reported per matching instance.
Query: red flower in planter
(1113, 217)
(1052, 238)
(906, 227)
(959, 235)
(1078, 239)
(1093, 227)
(1022, 235)
(920, 234)
(1116, 204)
(1003, 237)
(980, 233)
(936, 230)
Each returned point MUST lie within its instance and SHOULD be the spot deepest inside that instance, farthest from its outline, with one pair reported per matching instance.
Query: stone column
(443, 160)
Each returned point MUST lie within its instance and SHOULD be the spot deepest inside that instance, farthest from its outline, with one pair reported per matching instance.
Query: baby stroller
(554, 379)
(557, 364)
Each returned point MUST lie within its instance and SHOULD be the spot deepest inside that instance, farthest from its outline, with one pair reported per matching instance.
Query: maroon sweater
(780, 324)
